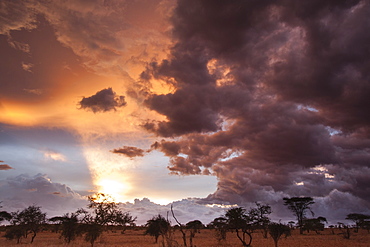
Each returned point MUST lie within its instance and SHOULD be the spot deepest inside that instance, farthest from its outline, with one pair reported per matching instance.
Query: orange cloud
(5, 167)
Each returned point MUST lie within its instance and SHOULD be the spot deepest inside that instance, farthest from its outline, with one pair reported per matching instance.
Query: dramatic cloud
(271, 97)
(102, 101)
(129, 151)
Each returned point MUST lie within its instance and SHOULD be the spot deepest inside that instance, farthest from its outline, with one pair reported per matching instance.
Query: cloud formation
(50, 154)
(57, 199)
(271, 97)
(4, 167)
(102, 101)
(22, 191)
(129, 151)
(185, 210)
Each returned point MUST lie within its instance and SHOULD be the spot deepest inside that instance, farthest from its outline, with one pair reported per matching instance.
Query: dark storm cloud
(129, 151)
(272, 97)
(102, 101)
(187, 110)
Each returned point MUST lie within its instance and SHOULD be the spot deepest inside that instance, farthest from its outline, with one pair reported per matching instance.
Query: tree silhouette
(276, 230)
(220, 224)
(27, 221)
(181, 227)
(4, 215)
(259, 217)
(15, 232)
(315, 224)
(123, 219)
(345, 230)
(70, 226)
(239, 221)
(157, 226)
(359, 219)
(194, 227)
(299, 207)
(93, 231)
(106, 211)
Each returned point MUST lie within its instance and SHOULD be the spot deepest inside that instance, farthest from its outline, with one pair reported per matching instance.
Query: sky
(201, 104)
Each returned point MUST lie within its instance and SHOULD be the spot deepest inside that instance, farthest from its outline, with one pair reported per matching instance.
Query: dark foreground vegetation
(237, 227)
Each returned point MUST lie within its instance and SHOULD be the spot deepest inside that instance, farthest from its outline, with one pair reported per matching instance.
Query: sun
(115, 189)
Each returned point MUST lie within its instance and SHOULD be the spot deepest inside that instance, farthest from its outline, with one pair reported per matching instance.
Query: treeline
(104, 214)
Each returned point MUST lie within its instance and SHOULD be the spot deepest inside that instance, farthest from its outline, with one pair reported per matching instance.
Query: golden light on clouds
(140, 36)
(221, 72)
(54, 156)
(162, 87)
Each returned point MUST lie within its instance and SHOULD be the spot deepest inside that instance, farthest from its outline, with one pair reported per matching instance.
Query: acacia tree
(104, 208)
(104, 212)
(259, 217)
(123, 219)
(359, 219)
(237, 220)
(194, 227)
(315, 224)
(299, 206)
(220, 224)
(345, 230)
(276, 230)
(157, 226)
(5, 216)
(27, 221)
(70, 226)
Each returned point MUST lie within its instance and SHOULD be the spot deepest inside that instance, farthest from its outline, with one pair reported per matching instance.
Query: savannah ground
(205, 238)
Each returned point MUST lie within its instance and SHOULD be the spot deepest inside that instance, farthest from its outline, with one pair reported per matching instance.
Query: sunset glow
(113, 188)
(192, 103)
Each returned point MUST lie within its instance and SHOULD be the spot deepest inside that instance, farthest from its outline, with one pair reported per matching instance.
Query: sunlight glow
(113, 188)
(109, 172)
(230, 154)
(162, 87)
(322, 170)
(15, 115)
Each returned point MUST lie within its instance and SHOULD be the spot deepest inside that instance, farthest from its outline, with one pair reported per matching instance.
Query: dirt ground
(136, 238)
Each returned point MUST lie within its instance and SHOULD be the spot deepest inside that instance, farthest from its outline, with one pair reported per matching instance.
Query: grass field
(135, 238)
